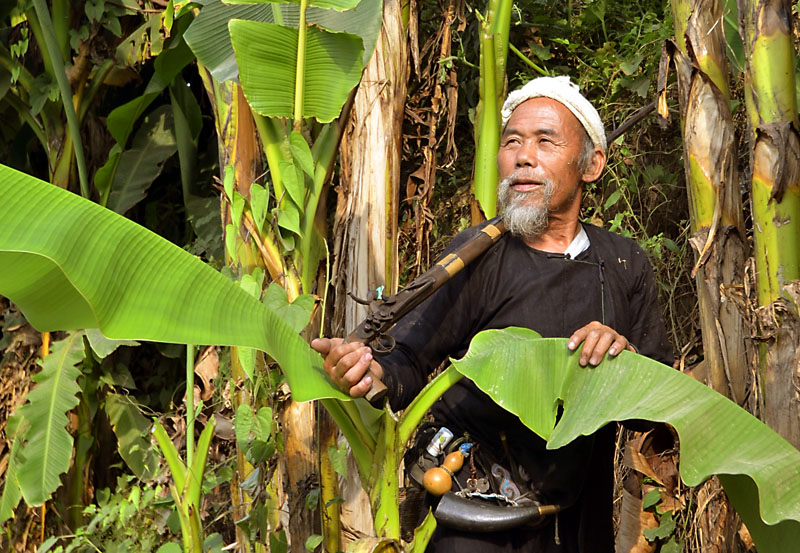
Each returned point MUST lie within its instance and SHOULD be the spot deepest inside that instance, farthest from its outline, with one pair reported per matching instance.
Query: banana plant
(188, 482)
(494, 31)
(131, 284)
(54, 102)
(109, 238)
(296, 62)
(296, 78)
(41, 442)
(771, 100)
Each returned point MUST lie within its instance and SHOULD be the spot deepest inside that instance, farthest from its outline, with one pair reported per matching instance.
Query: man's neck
(557, 237)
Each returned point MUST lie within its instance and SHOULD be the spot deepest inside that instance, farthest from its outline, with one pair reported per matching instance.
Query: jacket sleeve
(648, 332)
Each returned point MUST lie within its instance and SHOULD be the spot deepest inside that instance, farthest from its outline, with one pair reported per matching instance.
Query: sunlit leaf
(243, 425)
(296, 314)
(237, 208)
(530, 377)
(293, 182)
(339, 5)
(301, 153)
(259, 200)
(289, 218)
(247, 359)
(230, 240)
(69, 263)
(267, 57)
(209, 38)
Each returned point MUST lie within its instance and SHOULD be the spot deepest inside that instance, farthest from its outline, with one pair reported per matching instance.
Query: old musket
(387, 312)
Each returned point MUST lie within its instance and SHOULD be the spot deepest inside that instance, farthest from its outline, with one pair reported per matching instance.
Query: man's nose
(527, 156)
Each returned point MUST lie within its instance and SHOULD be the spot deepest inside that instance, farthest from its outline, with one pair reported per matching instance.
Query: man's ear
(596, 166)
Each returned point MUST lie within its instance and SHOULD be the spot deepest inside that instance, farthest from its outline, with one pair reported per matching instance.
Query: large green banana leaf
(267, 57)
(210, 40)
(338, 5)
(531, 377)
(69, 263)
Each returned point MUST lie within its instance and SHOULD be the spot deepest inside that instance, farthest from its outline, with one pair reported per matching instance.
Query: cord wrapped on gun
(385, 313)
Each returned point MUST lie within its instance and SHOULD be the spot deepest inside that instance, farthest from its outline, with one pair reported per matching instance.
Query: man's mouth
(525, 185)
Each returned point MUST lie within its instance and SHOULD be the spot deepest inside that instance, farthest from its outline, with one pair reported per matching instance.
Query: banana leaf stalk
(299, 79)
(494, 52)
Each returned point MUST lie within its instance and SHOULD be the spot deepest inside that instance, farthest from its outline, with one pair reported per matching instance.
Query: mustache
(527, 176)
(505, 189)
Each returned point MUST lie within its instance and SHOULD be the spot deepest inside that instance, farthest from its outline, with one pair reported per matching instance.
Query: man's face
(538, 159)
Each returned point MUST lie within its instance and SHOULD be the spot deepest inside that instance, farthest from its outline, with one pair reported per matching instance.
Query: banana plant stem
(189, 404)
(299, 78)
(362, 457)
(66, 94)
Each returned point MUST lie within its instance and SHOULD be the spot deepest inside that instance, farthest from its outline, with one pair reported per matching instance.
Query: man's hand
(598, 339)
(346, 364)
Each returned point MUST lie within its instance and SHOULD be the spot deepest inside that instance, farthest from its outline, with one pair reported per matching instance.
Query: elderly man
(550, 273)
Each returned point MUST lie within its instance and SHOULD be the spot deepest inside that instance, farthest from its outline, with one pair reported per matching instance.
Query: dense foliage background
(133, 54)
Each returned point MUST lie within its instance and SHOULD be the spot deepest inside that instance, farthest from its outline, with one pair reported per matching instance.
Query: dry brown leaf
(744, 535)
(672, 503)
(634, 459)
(633, 521)
(206, 369)
(224, 428)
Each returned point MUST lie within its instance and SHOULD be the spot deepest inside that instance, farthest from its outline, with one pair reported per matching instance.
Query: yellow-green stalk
(715, 208)
(766, 28)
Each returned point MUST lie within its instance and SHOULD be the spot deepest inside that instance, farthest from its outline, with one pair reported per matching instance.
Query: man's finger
(577, 337)
(350, 360)
(604, 341)
(337, 352)
(588, 346)
(354, 381)
(619, 344)
(322, 345)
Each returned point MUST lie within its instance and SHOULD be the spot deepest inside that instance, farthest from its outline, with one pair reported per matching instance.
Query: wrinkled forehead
(543, 114)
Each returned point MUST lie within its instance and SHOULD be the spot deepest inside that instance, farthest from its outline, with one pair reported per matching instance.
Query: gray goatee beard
(521, 219)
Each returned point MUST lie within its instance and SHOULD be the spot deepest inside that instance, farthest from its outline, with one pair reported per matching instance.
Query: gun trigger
(383, 344)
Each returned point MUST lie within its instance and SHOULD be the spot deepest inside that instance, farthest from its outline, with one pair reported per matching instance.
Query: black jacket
(514, 285)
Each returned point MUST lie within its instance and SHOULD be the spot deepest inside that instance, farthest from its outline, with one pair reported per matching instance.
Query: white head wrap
(566, 92)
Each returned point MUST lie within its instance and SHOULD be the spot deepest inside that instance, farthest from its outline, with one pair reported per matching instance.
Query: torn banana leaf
(532, 376)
